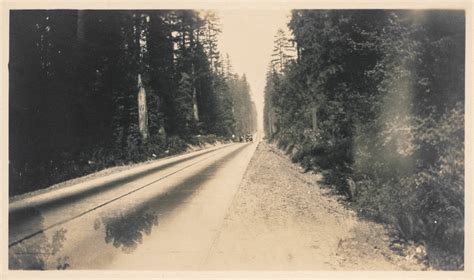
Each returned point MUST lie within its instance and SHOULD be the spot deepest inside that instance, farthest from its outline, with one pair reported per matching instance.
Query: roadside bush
(385, 92)
(428, 204)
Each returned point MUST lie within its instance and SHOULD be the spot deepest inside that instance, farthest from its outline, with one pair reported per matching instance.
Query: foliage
(73, 90)
(388, 91)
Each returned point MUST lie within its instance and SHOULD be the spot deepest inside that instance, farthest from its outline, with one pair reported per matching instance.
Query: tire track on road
(31, 235)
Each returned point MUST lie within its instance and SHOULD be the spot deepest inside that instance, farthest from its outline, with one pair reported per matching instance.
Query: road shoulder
(280, 219)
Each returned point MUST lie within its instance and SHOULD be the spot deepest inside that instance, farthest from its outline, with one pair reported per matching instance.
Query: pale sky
(247, 36)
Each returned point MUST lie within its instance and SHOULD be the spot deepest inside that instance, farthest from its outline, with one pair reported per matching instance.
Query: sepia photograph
(279, 138)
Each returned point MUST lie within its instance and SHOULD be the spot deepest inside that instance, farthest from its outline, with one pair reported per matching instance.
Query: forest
(91, 89)
(374, 99)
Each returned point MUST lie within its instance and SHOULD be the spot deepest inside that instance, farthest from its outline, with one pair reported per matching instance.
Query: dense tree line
(375, 99)
(91, 89)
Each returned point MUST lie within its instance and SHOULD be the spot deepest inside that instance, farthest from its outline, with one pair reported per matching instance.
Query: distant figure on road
(249, 138)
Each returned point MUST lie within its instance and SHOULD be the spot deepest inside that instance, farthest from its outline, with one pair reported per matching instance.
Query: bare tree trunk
(161, 129)
(142, 111)
(271, 121)
(314, 118)
(195, 106)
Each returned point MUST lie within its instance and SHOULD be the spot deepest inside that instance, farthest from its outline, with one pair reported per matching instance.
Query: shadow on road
(126, 230)
(35, 253)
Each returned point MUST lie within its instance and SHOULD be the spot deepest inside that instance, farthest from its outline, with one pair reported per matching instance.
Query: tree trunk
(314, 118)
(195, 106)
(271, 121)
(142, 111)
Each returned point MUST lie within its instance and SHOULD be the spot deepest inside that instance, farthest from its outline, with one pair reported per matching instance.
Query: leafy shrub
(428, 204)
